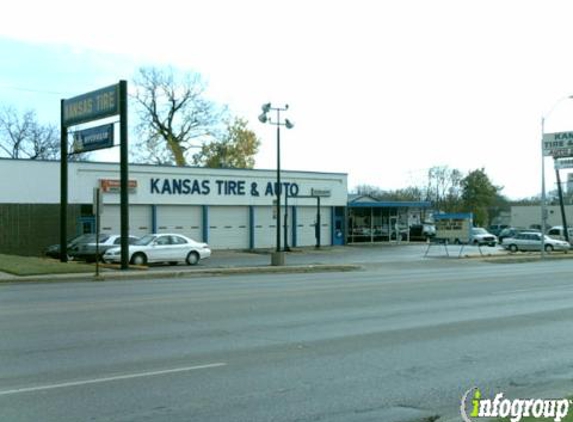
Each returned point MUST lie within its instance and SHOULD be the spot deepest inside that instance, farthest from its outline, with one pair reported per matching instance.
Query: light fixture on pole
(278, 256)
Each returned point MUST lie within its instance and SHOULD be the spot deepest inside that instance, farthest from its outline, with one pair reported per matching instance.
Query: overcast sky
(381, 90)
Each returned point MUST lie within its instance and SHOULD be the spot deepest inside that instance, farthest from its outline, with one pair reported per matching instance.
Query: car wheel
(139, 259)
(548, 248)
(192, 258)
(513, 248)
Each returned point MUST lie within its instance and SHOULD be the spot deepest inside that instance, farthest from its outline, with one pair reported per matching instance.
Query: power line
(36, 91)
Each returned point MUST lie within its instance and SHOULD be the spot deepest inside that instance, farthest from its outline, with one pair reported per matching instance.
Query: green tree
(174, 113)
(479, 195)
(236, 148)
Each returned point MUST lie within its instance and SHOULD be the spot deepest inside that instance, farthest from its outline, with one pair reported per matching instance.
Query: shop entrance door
(338, 234)
(86, 225)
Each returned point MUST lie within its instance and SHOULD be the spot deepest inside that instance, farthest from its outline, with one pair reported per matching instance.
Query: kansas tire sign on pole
(558, 144)
(94, 105)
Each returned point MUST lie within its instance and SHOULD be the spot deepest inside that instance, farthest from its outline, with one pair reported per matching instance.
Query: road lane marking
(110, 379)
(548, 288)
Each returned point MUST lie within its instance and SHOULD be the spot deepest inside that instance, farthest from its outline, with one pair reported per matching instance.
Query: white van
(556, 232)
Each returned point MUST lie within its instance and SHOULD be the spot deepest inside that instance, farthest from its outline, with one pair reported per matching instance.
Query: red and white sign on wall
(114, 186)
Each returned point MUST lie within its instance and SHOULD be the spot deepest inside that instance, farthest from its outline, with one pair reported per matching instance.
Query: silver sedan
(531, 241)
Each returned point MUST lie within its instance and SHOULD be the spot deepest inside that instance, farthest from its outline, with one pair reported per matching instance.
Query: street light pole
(543, 199)
(278, 256)
(278, 187)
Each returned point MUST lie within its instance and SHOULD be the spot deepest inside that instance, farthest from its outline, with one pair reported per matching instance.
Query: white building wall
(172, 199)
(526, 215)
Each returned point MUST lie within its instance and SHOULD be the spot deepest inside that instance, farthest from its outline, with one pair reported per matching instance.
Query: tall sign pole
(95, 105)
(63, 185)
(561, 205)
(124, 175)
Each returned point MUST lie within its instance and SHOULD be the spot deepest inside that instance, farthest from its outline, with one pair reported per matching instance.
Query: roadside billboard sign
(559, 144)
(454, 227)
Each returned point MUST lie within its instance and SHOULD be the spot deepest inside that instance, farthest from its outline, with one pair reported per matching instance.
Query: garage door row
(223, 227)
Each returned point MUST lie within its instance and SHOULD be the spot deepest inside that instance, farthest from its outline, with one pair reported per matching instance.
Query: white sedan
(163, 247)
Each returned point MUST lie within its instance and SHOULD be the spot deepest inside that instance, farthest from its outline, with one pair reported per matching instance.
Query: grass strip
(26, 265)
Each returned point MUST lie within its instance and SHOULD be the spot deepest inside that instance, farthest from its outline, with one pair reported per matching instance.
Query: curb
(196, 273)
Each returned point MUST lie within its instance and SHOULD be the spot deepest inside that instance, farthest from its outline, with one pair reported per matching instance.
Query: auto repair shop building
(227, 208)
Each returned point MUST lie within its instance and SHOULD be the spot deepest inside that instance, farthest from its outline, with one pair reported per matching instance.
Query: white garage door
(182, 219)
(139, 220)
(229, 227)
(266, 228)
(306, 220)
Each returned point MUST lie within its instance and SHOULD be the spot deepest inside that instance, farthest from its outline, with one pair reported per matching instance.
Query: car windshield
(145, 240)
(479, 231)
(88, 238)
(80, 238)
(91, 238)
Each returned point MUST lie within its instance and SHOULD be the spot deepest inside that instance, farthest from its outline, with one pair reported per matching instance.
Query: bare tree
(22, 136)
(444, 188)
(174, 114)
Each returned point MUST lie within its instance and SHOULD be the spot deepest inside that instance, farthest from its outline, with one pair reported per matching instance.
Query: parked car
(86, 249)
(511, 232)
(496, 229)
(557, 232)
(480, 236)
(163, 247)
(53, 251)
(531, 241)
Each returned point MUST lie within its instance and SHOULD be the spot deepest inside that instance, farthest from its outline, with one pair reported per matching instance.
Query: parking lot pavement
(337, 258)
(352, 255)
(362, 255)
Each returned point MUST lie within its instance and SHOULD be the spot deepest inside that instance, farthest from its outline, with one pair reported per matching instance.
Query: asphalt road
(393, 343)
